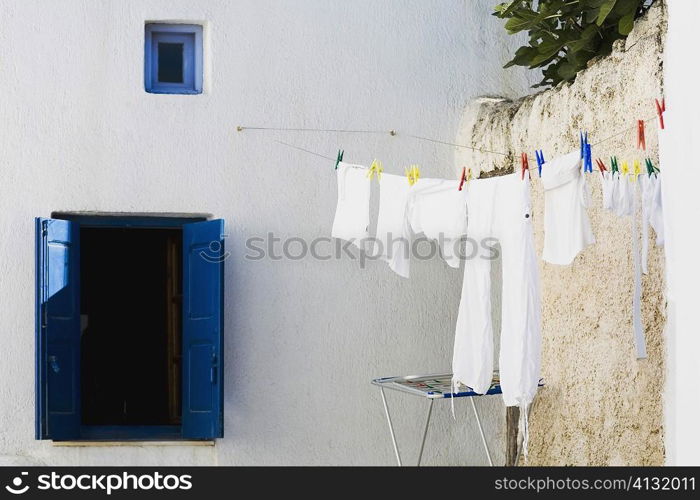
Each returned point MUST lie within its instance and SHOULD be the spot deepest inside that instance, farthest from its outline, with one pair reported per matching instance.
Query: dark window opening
(170, 62)
(131, 330)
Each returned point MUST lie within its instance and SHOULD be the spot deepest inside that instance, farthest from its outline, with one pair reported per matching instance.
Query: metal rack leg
(481, 431)
(391, 427)
(425, 431)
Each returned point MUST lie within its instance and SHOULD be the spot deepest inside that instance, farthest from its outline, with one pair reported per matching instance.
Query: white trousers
(499, 208)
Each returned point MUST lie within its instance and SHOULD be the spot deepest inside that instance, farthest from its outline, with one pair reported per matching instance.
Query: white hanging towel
(393, 240)
(652, 214)
(567, 229)
(438, 209)
(624, 202)
(609, 183)
(499, 208)
(351, 221)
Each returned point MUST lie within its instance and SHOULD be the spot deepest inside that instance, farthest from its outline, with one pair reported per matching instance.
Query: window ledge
(139, 444)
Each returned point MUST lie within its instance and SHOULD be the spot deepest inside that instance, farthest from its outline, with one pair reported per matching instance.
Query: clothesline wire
(633, 127)
(437, 141)
(412, 136)
(304, 150)
(241, 128)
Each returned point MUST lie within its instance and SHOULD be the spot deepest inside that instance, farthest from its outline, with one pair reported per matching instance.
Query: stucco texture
(600, 405)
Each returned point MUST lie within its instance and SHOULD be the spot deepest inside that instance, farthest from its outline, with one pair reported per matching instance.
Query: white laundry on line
(499, 208)
(432, 207)
(392, 242)
(567, 228)
(351, 221)
(438, 210)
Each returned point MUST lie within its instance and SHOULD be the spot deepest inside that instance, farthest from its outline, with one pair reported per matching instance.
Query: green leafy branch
(565, 35)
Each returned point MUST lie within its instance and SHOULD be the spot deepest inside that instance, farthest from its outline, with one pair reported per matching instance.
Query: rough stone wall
(600, 406)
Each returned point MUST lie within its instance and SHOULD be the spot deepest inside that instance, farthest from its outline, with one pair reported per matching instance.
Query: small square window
(173, 59)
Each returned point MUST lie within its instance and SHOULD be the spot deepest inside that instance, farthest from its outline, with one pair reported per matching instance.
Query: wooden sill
(131, 443)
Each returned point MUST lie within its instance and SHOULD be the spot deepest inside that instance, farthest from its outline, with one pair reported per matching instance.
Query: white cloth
(651, 214)
(652, 206)
(567, 229)
(499, 208)
(609, 184)
(624, 201)
(438, 209)
(640, 344)
(351, 221)
(433, 207)
(393, 240)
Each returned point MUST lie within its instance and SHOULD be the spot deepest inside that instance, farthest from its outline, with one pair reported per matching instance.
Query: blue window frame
(173, 58)
(60, 337)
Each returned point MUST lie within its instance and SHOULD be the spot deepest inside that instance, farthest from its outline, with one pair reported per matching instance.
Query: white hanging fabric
(652, 214)
(567, 228)
(437, 209)
(499, 208)
(392, 240)
(351, 221)
(432, 207)
(637, 327)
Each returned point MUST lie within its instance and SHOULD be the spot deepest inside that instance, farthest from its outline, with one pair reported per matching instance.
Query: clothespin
(375, 169)
(539, 156)
(524, 165)
(660, 108)
(651, 168)
(613, 164)
(586, 152)
(587, 160)
(625, 170)
(601, 166)
(463, 178)
(340, 158)
(641, 141)
(636, 169)
(413, 174)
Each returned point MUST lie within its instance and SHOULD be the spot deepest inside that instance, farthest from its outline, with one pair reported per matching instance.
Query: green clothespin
(340, 158)
(651, 168)
(613, 163)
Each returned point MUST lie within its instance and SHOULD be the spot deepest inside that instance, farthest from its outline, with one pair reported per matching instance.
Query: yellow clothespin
(469, 175)
(625, 168)
(413, 174)
(375, 169)
(637, 169)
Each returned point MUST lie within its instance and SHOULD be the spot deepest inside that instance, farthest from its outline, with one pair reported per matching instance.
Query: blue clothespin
(586, 152)
(588, 160)
(539, 156)
(341, 152)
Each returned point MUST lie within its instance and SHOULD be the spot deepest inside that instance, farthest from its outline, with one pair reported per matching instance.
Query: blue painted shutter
(57, 330)
(202, 330)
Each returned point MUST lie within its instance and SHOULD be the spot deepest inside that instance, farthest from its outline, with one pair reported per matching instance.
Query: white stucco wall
(303, 339)
(681, 212)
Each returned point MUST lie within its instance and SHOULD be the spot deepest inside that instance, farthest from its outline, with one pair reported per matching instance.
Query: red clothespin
(525, 165)
(660, 108)
(462, 178)
(641, 141)
(601, 165)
